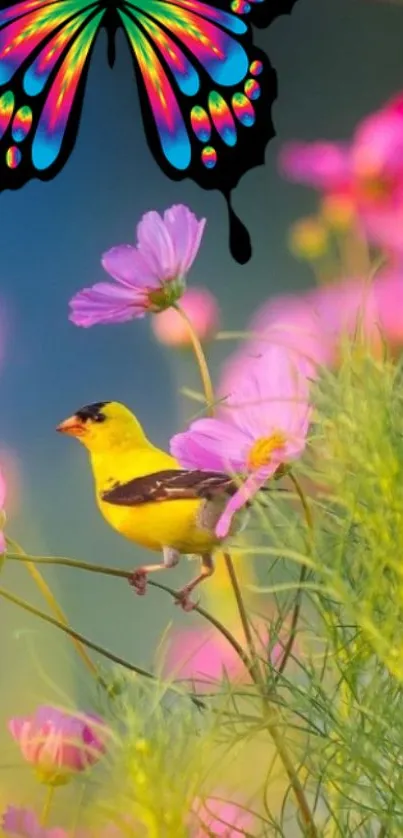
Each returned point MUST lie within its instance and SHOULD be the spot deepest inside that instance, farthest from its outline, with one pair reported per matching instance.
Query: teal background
(336, 61)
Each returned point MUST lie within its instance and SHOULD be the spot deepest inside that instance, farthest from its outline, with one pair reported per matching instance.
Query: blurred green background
(336, 61)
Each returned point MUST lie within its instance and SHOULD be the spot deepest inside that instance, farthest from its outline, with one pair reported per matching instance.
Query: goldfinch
(145, 495)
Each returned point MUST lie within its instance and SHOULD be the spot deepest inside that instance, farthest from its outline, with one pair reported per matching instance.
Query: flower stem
(297, 605)
(200, 358)
(242, 614)
(53, 605)
(47, 805)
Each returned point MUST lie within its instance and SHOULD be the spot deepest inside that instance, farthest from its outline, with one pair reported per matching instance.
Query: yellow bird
(145, 495)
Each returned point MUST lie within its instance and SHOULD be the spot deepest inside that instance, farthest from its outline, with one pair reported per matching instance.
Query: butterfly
(205, 90)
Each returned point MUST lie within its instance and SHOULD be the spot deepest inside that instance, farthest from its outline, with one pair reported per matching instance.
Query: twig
(126, 574)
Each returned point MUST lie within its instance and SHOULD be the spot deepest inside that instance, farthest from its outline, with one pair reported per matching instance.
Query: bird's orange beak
(72, 426)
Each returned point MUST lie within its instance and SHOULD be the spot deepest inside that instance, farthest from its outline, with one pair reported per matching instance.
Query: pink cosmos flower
(201, 307)
(202, 657)
(149, 277)
(205, 657)
(311, 324)
(3, 489)
(262, 425)
(24, 823)
(221, 818)
(59, 744)
(369, 171)
(292, 321)
(375, 308)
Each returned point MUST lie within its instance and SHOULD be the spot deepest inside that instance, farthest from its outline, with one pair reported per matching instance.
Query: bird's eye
(99, 417)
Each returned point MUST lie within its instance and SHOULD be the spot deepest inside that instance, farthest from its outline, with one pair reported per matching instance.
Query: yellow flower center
(261, 452)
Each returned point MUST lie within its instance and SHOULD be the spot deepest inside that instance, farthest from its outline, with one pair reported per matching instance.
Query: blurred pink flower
(201, 307)
(311, 324)
(376, 308)
(221, 818)
(149, 277)
(205, 657)
(24, 823)
(322, 165)
(369, 170)
(59, 744)
(202, 656)
(293, 322)
(262, 425)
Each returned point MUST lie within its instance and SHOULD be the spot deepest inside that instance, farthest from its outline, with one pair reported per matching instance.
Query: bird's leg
(138, 579)
(206, 570)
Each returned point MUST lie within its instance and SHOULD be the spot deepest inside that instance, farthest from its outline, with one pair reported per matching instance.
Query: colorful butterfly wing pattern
(45, 47)
(206, 91)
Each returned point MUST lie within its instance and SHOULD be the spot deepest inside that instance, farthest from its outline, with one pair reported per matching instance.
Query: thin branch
(126, 574)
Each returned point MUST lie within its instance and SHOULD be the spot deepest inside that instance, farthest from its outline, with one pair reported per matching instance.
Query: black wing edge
(171, 484)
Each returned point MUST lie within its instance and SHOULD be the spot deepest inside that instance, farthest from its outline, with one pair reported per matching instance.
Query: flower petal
(246, 492)
(59, 743)
(130, 267)
(186, 233)
(222, 818)
(291, 320)
(211, 444)
(272, 395)
(388, 294)
(378, 145)
(106, 303)
(23, 823)
(322, 165)
(3, 490)
(385, 227)
(202, 656)
(155, 244)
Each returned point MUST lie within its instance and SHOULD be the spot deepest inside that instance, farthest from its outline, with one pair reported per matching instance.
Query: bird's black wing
(172, 484)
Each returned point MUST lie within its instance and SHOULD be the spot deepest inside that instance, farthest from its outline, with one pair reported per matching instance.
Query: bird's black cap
(92, 412)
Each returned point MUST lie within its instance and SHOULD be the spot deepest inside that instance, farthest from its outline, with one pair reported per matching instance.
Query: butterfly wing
(45, 47)
(206, 91)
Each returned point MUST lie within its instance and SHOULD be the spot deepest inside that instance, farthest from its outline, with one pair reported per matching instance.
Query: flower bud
(201, 307)
(308, 239)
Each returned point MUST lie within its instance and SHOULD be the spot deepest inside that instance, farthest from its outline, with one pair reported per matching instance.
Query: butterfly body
(205, 90)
